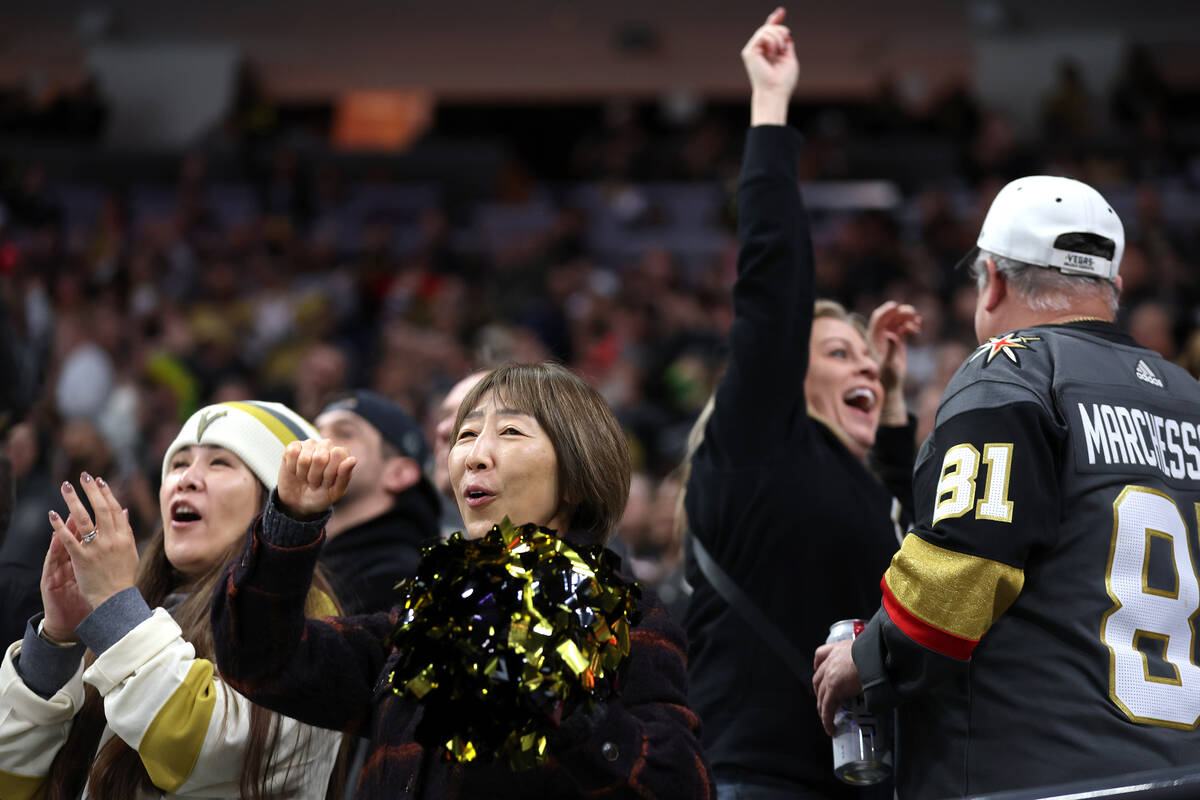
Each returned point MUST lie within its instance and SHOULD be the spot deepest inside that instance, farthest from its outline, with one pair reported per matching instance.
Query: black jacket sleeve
(322, 672)
(763, 387)
(892, 459)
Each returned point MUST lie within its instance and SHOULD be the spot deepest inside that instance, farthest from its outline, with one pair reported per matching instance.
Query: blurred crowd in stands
(279, 269)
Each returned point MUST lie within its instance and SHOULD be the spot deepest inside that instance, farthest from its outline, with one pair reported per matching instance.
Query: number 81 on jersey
(1141, 615)
(956, 487)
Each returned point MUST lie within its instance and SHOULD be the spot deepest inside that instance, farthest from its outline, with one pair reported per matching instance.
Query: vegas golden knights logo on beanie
(207, 417)
(255, 432)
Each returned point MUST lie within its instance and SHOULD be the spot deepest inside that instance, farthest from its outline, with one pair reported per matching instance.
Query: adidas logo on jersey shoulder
(1144, 373)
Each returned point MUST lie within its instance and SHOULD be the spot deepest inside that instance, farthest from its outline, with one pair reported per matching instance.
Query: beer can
(862, 753)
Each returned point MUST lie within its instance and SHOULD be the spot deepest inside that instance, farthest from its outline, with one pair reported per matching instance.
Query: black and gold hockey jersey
(1039, 622)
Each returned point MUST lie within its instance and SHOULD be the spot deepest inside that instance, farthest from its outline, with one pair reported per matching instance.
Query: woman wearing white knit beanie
(143, 713)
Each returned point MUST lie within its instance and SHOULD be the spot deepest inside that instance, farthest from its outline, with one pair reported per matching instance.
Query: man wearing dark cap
(390, 509)
(1037, 623)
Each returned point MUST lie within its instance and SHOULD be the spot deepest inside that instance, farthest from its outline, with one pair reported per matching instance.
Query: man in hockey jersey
(1036, 625)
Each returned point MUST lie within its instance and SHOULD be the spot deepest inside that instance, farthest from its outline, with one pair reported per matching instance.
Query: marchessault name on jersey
(1118, 436)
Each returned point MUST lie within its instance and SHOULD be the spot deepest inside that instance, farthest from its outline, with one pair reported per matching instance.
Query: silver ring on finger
(89, 537)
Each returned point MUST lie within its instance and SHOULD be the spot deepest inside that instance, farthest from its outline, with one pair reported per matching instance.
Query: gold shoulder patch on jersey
(1006, 344)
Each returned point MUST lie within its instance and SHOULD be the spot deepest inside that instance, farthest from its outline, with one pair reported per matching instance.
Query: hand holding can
(862, 753)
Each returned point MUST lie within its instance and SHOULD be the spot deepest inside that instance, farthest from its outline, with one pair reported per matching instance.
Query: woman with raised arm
(112, 692)
(532, 443)
(780, 500)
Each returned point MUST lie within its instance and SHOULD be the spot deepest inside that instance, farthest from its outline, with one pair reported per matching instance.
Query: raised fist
(313, 476)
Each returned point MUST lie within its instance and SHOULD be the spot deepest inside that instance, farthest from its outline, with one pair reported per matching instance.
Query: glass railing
(1176, 783)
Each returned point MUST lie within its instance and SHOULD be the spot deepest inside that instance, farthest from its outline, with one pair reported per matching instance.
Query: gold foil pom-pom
(503, 637)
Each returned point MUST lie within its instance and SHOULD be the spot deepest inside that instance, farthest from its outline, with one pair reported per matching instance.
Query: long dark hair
(116, 771)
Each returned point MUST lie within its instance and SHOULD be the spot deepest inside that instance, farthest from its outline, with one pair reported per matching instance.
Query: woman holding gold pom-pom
(535, 445)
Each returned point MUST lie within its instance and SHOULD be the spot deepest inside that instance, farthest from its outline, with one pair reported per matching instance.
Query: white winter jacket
(189, 728)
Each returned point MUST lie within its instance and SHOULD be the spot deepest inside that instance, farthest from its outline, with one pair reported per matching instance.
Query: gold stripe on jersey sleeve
(173, 740)
(958, 593)
(21, 787)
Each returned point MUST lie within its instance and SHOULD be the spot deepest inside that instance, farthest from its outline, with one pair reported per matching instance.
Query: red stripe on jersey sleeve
(922, 632)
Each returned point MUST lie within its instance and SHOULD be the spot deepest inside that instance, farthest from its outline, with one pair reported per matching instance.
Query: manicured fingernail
(100, 482)
(85, 478)
(67, 487)
(54, 515)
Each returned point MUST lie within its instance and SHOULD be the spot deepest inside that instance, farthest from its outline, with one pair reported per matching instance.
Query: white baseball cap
(1054, 222)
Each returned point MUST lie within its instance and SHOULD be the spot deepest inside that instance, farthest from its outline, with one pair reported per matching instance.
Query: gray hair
(1045, 288)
